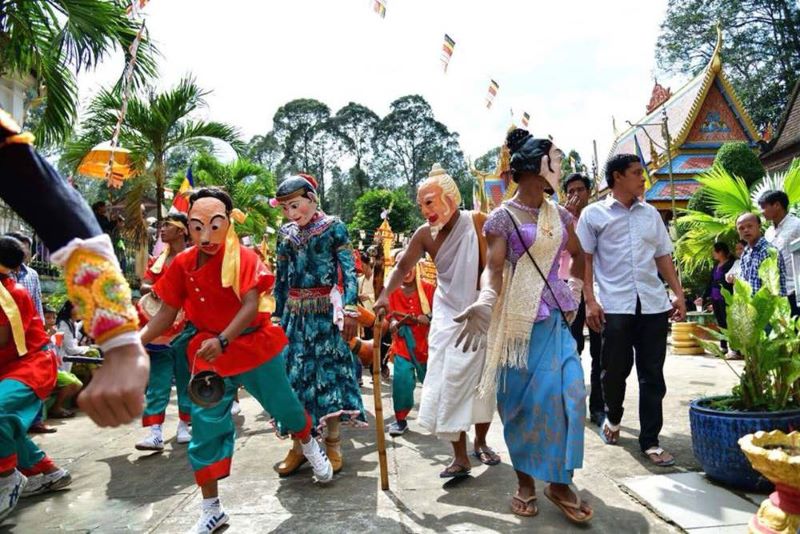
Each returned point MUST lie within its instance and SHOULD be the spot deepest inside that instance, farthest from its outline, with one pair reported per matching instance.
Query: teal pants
(213, 431)
(406, 375)
(18, 408)
(164, 365)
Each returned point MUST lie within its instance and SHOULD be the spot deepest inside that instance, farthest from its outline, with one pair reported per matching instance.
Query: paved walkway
(119, 489)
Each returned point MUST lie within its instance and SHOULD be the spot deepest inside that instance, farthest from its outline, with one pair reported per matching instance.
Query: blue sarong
(542, 407)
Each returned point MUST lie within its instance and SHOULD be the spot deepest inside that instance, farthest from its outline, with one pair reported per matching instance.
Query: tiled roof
(788, 132)
(661, 190)
(688, 164)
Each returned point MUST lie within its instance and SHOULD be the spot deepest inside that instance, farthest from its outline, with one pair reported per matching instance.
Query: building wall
(12, 97)
(716, 122)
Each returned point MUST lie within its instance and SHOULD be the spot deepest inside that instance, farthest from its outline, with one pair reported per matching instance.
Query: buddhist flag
(493, 87)
(647, 182)
(135, 6)
(181, 201)
(447, 50)
(379, 6)
(526, 117)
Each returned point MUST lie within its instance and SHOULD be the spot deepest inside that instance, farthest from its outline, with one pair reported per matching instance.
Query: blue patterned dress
(319, 363)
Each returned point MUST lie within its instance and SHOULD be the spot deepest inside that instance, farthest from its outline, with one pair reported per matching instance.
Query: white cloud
(570, 64)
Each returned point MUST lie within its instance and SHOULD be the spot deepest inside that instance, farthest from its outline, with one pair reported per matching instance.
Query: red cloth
(211, 308)
(37, 369)
(178, 326)
(409, 304)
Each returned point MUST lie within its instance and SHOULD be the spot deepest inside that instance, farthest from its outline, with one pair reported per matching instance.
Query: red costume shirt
(401, 303)
(36, 369)
(211, 307)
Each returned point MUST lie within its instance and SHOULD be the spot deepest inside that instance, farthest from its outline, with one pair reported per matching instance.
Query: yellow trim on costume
(26, 138)
(10, 308)
(160, 262)
(231, 260)
(177, 224)
(266, 303)
(423, 298)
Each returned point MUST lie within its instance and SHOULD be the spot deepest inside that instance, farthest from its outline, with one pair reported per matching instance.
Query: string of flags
(127, 76)
(493, 87)
(447, 50)
(526, 117)
(379, 6)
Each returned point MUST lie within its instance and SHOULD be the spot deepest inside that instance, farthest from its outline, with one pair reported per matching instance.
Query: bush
(700, 201)
(739, 160)
(403, 218)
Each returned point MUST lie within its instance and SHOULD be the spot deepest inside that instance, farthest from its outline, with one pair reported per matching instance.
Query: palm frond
(728, 194)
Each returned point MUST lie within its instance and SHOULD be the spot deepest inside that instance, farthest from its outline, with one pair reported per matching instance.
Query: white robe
(450, 403)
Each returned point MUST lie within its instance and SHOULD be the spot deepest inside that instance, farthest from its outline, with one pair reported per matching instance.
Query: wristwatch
(223, 342)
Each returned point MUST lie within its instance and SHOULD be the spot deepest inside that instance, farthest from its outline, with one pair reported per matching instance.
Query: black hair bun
(516, 138)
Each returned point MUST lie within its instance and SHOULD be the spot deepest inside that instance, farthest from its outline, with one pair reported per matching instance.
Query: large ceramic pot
(715, 437)
(776, 456)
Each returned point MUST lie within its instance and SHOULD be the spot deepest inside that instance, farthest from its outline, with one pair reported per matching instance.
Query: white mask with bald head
(438, 198)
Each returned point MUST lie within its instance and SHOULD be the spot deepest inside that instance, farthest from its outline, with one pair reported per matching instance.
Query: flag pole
(595, 171)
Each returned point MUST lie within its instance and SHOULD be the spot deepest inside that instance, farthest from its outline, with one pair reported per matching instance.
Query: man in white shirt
(626, 247)
(785, 229)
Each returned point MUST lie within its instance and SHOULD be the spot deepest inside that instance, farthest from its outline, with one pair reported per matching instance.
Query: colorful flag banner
(493, 87)
(647, 182)
(447, 50)
(379, 6)
(181, 201)
(135, 7)
(526, 117)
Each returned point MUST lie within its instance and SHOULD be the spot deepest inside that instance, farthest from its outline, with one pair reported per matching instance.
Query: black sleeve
(38, 194)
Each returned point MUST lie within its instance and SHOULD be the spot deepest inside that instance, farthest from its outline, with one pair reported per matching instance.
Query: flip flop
(614, 439)
(570, 509)
(654, 453)
(486, 456)
(526, 503)
(455, 471)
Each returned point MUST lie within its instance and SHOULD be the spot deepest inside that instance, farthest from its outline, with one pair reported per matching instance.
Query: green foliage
(739, 160)
(342, 194)
(51, 40)
(762, 329)
(57, 298)
(265, 150)
(248, 183)
(761, 47)
(700, 201)
(488, 162)
(369, 206)
(355, 124)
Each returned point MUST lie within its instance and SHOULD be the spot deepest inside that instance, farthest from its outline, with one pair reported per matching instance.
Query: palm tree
(248, 183)
(154, 124)
(52, 40)
(729, 197)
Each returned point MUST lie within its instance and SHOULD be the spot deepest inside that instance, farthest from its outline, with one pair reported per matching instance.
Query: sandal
(486, 455)
(455, 471)
(571, 510)
(657, 456)
(608, 434)
(527, 511)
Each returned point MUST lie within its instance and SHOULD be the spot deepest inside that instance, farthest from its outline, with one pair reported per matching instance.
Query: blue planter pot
(714, 441)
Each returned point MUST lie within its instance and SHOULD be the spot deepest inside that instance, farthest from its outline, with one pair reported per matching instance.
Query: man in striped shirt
(749, 227)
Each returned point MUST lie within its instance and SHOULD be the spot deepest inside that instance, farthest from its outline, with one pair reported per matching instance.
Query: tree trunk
(159, 174)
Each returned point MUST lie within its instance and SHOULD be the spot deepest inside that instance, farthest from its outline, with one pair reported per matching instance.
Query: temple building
(784, 146)
(702, 115)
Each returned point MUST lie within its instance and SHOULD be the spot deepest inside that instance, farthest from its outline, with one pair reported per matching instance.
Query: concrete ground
(116, 488)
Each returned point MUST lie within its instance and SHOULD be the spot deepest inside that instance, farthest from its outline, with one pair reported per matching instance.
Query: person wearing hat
(317, 315)
(165, 363)
(28, 369)
(223, 290)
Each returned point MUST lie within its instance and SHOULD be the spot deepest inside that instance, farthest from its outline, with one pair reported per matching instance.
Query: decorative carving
(658, 97)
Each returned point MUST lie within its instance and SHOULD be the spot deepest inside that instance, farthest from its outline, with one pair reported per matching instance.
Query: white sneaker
(153, 442)
(11, 488)
(184, 432)
(323, 470)
(45, 483)
(236, 409)
(211, 519)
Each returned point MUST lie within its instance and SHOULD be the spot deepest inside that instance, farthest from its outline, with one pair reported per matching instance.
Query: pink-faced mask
(300, 210)
(208, 225)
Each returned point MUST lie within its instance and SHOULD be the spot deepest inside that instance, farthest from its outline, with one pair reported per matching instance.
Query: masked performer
(223, 289)
(165, 364)
(532, 358)
(409, 323)
(313, 248)
(449, 404)
(63, 220)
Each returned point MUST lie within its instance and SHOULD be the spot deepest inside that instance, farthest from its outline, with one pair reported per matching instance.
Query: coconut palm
(730, 197)
(52, 40)
(248, 183)
(155, 124)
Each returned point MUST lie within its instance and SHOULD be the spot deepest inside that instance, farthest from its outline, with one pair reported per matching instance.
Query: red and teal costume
(252, 359)
(28, 369)
(409, 345)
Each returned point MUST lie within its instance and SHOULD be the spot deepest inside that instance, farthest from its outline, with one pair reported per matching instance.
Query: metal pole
(595, 171)
(674, 221)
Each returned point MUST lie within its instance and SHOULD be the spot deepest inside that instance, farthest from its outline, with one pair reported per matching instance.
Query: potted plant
(767, 397)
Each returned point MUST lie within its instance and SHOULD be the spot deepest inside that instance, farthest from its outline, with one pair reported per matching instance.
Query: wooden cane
(376, 391)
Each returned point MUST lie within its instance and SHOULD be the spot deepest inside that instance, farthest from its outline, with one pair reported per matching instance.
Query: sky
(571, 64)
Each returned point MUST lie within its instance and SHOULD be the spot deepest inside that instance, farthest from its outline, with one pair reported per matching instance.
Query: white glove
(476, 319)
(575, 285)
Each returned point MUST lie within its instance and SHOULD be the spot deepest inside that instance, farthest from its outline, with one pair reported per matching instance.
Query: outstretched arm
(413, 253)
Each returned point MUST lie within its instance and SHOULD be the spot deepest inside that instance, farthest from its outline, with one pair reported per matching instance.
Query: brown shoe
(290, 464)
(41, 428)
(333, 448)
